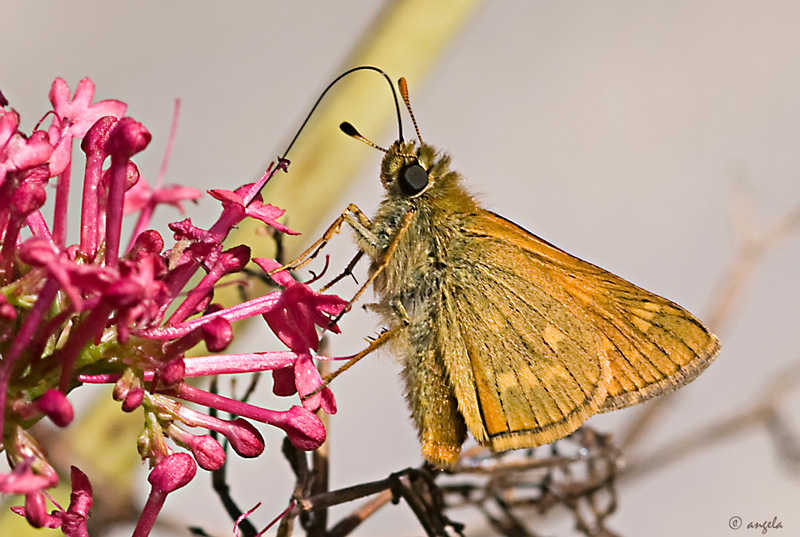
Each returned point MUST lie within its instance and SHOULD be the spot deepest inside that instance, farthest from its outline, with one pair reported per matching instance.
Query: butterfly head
(411, 169)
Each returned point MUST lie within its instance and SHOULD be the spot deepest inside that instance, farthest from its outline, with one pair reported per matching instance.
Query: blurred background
(623, 132)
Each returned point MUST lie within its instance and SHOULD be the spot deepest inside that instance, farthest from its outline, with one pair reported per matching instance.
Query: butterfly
(501, 333)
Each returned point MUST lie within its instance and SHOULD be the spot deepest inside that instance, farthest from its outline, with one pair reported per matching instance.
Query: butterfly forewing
(526, 365)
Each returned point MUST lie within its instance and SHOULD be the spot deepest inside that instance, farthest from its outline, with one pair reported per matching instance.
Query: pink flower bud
(173, 473)
(133, 399)
(54, 405)
(36, 509)
(97, 137)
(169, 475)
(128, 138)
(304, 429)
(217, 334)
(131, 176)
(31, 194)
(147, 242)
(244, 438)
(208, 453)
(172, 372)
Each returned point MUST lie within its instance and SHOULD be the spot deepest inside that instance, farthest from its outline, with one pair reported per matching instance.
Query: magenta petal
(62, 154)
(282, 278)
(217, 334)
(328, 403)
(283, 382)
(81, 498)
(22, 480)
(285, 330)
(267, 214)
(59, 93)
(308, 379)
(137, 197)
(226, 196)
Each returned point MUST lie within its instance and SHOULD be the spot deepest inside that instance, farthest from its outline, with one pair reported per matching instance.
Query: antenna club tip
(347, 128)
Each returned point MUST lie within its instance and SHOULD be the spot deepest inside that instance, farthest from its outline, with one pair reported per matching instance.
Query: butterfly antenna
(404, 92)
(351, 131)
(337, 79)
(325, 91)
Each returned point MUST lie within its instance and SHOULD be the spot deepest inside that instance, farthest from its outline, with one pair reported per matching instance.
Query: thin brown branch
(354, 519)
(764, 412)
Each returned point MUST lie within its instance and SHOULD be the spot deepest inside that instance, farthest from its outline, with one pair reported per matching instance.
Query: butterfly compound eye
(412, 179)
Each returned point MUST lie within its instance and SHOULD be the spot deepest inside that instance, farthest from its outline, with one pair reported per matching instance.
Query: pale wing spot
(553, 336)
(650, 306)
(649, 313)
(641, 324)
(507, 380)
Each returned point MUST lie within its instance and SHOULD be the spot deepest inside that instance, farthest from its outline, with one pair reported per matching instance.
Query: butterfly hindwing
(546, 339)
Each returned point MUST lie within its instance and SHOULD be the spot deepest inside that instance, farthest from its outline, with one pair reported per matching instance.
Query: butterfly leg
(387, 254)
(352, 215)
(348, 271)
(375, 344)
(370, 237)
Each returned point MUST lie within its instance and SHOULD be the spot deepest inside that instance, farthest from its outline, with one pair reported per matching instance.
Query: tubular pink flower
(233, 202)
(127, 138)
(203, 366)
(304, 429)
(73, 119)
(24, 193)
(233, 260)
(237, 363)
(243, 437)
(133, 399)
(89, 313)
(72, 522)
(94, 146)
(227, 221)
(234, 313)
(18, 152)
(298, 310)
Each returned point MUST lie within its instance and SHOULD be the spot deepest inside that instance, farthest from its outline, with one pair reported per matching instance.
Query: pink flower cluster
(97, 312)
